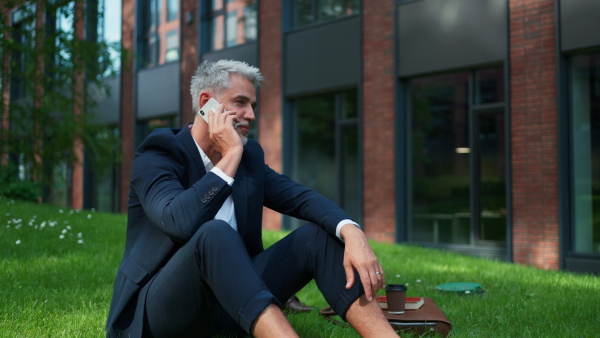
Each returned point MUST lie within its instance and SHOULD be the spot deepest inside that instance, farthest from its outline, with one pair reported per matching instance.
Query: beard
(244, 138)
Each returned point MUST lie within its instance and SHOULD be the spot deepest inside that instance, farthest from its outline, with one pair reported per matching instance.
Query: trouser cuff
(253, 307)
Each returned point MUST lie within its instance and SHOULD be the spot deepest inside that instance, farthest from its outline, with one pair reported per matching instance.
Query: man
(194, 263)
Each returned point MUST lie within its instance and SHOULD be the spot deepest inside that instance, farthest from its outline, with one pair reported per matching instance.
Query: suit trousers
(211, 284)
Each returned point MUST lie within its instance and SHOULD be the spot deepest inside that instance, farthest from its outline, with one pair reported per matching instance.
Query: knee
(214, 232)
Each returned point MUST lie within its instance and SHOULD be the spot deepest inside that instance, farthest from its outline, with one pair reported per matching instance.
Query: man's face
(240, 98)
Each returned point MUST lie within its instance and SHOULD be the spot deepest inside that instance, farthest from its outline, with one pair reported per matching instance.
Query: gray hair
(213, 77)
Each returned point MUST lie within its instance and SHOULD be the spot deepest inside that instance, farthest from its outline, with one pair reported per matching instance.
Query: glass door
(489, 176)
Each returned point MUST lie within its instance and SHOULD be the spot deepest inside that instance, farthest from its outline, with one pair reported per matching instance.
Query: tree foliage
(51, 72)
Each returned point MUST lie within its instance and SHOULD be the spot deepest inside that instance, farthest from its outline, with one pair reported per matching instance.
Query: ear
(204, 97)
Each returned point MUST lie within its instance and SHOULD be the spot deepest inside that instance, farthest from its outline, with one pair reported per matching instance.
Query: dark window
(326, 148)
(232, 23)
(306, 12)
(150, 38)
(584, 90)
(458, 158)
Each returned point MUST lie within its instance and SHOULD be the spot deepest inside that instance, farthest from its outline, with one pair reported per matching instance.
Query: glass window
(109, 32)
(458, 158)
(159, 34)
(250, 24)
(172, 9)
(172, 46)
(146, 127)
(306, 12)
(584, 90)
(232, 23)
(326, 148)
(150, 38)
(441, 185)
(489, 86)
(231, 30)
(23, 35)
(103, 183)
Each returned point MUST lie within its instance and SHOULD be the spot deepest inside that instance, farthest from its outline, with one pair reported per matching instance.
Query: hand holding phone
(210, 104)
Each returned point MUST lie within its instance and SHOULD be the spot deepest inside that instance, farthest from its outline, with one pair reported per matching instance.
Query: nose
(248, 114)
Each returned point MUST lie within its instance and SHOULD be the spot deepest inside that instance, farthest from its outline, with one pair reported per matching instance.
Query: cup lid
(395, 287)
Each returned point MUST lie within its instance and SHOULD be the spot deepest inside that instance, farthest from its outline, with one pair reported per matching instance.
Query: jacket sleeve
(158, 175)
(284, 195)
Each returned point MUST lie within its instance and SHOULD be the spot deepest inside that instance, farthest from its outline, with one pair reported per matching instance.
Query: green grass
(53, 287)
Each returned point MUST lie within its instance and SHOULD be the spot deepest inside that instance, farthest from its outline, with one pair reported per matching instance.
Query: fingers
(220, 127)
(372, 280)
(349, 275)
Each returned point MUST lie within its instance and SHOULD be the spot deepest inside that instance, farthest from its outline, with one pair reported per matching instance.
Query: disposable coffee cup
(396, 298)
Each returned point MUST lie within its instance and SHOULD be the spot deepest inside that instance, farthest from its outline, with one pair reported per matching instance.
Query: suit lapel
(186, 139)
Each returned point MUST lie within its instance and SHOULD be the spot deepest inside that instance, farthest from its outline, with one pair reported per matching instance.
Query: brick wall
(189, 57)
(378, 120)
(270, 110)
(127, 100)
(534, 133)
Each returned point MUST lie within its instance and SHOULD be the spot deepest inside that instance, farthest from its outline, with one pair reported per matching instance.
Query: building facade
(466, 125)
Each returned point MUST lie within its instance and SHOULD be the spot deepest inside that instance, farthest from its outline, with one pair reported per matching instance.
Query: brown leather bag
(428, 319)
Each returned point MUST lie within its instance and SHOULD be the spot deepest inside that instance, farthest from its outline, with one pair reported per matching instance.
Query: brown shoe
(294, 305)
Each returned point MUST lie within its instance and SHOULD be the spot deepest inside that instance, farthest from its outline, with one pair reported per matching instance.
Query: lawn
(57, 268)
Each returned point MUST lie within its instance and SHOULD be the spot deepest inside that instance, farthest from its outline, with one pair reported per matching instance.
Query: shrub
(13, 187)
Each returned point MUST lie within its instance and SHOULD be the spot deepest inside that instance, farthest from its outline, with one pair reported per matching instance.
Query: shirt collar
(205, 160)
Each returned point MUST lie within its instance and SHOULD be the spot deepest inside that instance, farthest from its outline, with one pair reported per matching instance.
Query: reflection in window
(326, 145)
(584, 88)
(172, 10)
(231, 30)
(103, 183)
(172, 52)
(232, 23)
(441, 184)
(306, 12)
(159, 36)
(146, 127)
(458, 158)
(109, 31)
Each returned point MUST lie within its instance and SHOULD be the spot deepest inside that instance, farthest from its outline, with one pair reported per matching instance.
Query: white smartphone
(210, 104)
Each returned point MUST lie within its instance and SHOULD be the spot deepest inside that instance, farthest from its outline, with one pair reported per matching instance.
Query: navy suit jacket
(172, 195)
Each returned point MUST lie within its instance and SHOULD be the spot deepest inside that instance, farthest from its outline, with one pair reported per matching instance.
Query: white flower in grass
(407, 284)
(397, 276)
(60, 211)
(61, 236)
(64, 231)
(418, 281)
(80, 235)
(71, 212)
(18, 242)
(93, 209)
(80, 241)
(34, 216)
(89, 216)
(68, 227)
